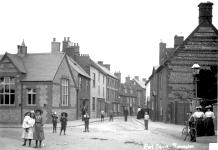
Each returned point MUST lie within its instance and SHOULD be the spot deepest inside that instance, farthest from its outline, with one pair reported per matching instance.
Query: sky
(123, 33)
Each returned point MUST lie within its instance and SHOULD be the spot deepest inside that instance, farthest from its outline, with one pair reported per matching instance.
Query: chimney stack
(128, 79)
(205, 12)
(100, 63)
(137, 78)
(22, 49)
(178, 40)
(55, 46)
(118, 75)
(162, 51)
(108, 66)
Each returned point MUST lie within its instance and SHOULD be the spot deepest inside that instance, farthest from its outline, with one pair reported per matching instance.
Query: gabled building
(128, 97)
(112, 86)
(43, 80)
(97, 96)
(173, 90)
(141, 91)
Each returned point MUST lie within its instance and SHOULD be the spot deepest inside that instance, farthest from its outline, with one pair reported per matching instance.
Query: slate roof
(42, 67)
(77, 67)
(140, 83)
(107, 71)
(17, 62)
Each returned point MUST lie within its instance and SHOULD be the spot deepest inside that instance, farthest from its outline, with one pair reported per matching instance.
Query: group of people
(201, 124)
(33, 128)
(63, 121)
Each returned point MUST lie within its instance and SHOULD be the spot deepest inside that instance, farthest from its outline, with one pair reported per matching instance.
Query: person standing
(125, 114)
(209, 125)
(63, 121)
(102, 115)
(191, 122)
(54, 121)
(83, 112)
(111, 116)
(38, 133)
(199, 116)
(28, 124)
(146, 118)
(86, 119)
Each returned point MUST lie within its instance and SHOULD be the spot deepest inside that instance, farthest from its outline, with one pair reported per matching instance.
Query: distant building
(173, 91)
(43, 80)
(141, 90)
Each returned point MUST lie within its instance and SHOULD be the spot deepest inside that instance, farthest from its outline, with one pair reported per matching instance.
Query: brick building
(172, 86)
(96, 97)
(112, 87)
(128, 97)
(42, 80)
(141, 90)
(81, 77)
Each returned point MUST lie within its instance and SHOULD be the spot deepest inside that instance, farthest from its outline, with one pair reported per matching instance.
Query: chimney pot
(68, 39)
(64, 38)
(54, 39)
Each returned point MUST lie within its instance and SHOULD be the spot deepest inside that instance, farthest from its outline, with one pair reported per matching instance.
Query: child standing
(86, 119)
(54, 121)
(28, 124)
(63, 121)
(146, 117)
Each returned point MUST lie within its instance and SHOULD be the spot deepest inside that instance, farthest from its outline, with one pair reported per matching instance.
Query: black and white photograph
(108, 74)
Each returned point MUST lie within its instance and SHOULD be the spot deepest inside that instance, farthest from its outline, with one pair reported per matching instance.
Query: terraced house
(42, 80)
(112, 86)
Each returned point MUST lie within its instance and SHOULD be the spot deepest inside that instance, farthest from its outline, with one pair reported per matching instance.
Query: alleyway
(107, 135)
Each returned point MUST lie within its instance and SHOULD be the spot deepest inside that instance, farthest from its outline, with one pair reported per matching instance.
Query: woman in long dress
(38, 134)
(28, 124)
(209, 125)
(199, 116)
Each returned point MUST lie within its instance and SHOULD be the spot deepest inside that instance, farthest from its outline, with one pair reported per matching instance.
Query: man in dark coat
(125, 114)
(86, 120)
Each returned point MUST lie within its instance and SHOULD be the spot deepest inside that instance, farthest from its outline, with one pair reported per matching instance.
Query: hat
(64, 113)
(26, 113)
(55, 113)
(209, 106)
(32, 111)
(38, 110)
(198, 107)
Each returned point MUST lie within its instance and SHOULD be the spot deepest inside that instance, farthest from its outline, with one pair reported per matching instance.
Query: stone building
(128, 97)
(112, 87)
(95, 99)
(173, 91)
(81, 76)
(42, 80)
(141, 90)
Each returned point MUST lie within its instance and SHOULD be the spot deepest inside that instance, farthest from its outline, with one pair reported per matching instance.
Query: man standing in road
(86, 119)
(125, 114)
(102, 115)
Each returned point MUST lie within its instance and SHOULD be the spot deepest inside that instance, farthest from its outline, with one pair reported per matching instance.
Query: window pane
(12, 98)
(34, 99)
(7, 98)
(1, 99)
(29, 99)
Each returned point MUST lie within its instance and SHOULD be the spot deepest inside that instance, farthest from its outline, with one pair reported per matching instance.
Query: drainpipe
(77, 104)
(21, 109)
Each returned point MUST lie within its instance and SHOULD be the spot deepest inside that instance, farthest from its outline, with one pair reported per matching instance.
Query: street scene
(113, 74)
(109, 135)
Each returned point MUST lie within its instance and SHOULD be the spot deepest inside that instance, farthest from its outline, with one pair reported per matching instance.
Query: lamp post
(195, 71)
